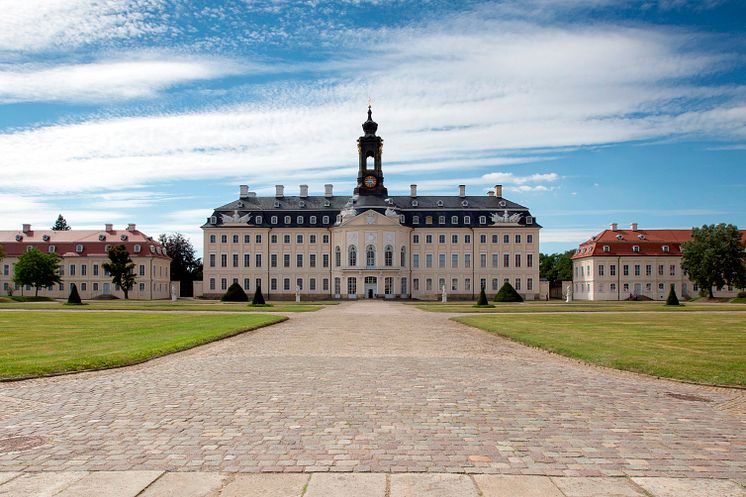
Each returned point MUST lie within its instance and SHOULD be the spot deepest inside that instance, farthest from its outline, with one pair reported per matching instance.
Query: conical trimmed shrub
(508, 294)
(74, 297)
(672, 298)
(258, 297)
(235, 294)
(482, 298)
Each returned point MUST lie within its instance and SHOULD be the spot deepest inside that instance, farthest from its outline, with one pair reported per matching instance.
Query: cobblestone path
(373, 387)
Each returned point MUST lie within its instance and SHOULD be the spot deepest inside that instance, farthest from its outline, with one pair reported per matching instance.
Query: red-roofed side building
(619, 263)
(83, 253)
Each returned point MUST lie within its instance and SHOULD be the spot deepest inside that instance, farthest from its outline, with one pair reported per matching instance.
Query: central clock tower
(369, 148)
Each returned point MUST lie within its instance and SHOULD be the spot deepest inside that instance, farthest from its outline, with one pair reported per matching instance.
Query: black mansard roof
(327, 208)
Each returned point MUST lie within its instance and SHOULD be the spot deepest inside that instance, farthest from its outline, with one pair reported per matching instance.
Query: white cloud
(35, 25)
(107, 80)
(16, 210)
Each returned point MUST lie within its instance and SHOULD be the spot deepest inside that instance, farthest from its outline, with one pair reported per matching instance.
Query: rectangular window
(351, 286)
(428, 238)
(83, 269)
(311, 260)
(441, 260)
(286, 260)
(648, 270)
(6, 270)
(467, 284)
(298, 238)
(312, 238)
(482, 283)
(517, 284)
(495, 258)
(506, 238)
(273, 260)
(142, 269)
(223, 284)
(258, 260)
(494, 239)
(273, 239)
(415, 238)
(72, 269)
(223, 260)
(454, 260)
(467, 238)
(673, 270)
(325, 239)
(246, 283)
(246, 260)
(428, 284)
(224, 238)
(529, 260)
(235, 260)
(454, 238)
(273, 284)
(388, 286)
(482, 238)
(600, 269)
(312, 284)
(517, 260)
(285, 238)
(247, 238)
(506, 260)
(612, 287)
(494, 284)
(299, 283)
(235, 238)
(660, 270)
(454, 284)
(337, 286)
(529, 238)
(530, 284)
(286, 284)
(415, 260)
(298, 260)
(467, 260)
(637, 270)
(429, 260)
(625, 270)
(95, 269)
(325, 260)
(416, 284)
(482, 260)
(518, 239)
(441, 238)
(325, 284)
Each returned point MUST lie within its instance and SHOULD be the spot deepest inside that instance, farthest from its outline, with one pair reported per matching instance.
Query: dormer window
(440, 203)
(79, 248)
(277, 203)
(273, 219)
(287, 219)
(607, 248)
(415, 203)
(302, 203)
(415, 219)
(464, 203)
(258, 220)
(402, 219)
(619, 237)
(325, 220)
(467, 219)
(454, 219)
(213, 220)
(152, 249)
(641, 236)
(137, 248)
(441, 220)
(327, 203)
(665, 248)
(239, 204)
(29, 248)
(299, 219)
(312, 220)
(635, 248)
(123, 238)
(107, 248)
(502, 203)
(529, 220)
(45, 238)
(19, 238)
(52, 249)
(482, 219)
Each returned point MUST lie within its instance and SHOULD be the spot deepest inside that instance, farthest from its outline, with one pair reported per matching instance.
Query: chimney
(328, 190)
(413, 191)
(498, 190)
(462, 191)
(613, 227)
(633, 226)
(303, 191)
(279, 191)
(490, 193)
(109, 228)
(132, 227)
(27, 228)
(244, 191)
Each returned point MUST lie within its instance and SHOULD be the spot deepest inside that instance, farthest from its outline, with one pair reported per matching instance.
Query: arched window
(337, 256)
(370, 256)
(388, 256)
(403, 261)
(352, 256)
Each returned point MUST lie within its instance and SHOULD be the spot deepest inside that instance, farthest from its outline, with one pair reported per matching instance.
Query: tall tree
(61, 224)
(556, 267)
(2, 253)
(714, 257)
(121, 268)
(37, 269)
(185, 266)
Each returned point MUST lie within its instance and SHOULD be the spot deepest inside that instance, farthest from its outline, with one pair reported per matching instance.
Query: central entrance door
(371, 287)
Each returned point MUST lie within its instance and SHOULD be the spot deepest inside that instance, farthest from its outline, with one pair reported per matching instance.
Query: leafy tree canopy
(61, 224)
(714, 257)
(37, 269)
(556, 267)
(184, 265)
(121, 268)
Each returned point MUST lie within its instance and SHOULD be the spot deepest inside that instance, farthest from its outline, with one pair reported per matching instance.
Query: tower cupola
(370, 147)
(370, 126)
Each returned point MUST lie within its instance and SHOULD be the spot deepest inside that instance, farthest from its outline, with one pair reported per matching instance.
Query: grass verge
(578, 306)
(165, 305)
(42, 343)
(703, 348)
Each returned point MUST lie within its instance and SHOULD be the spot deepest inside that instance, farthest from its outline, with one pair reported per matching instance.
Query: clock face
(370, 181)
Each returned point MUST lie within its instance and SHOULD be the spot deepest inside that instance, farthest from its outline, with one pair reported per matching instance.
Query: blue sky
(587, 111)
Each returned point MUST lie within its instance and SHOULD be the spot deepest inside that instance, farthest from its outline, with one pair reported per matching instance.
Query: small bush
(258, 297)
(235, 294)
(508, 294)
(672, 298)
(741, 295)
(74, 297)
(21, 298)
(482, 298)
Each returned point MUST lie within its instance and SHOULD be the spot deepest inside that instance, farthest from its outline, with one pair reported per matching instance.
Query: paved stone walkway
(371, 387)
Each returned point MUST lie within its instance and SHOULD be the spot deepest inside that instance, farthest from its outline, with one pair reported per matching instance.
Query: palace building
(83, 253)
(371, 244)
(619, 263)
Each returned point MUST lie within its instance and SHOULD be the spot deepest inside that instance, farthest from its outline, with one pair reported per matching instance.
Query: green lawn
(577, 306)
(38, 343)
(706, 348)
(167, 305)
